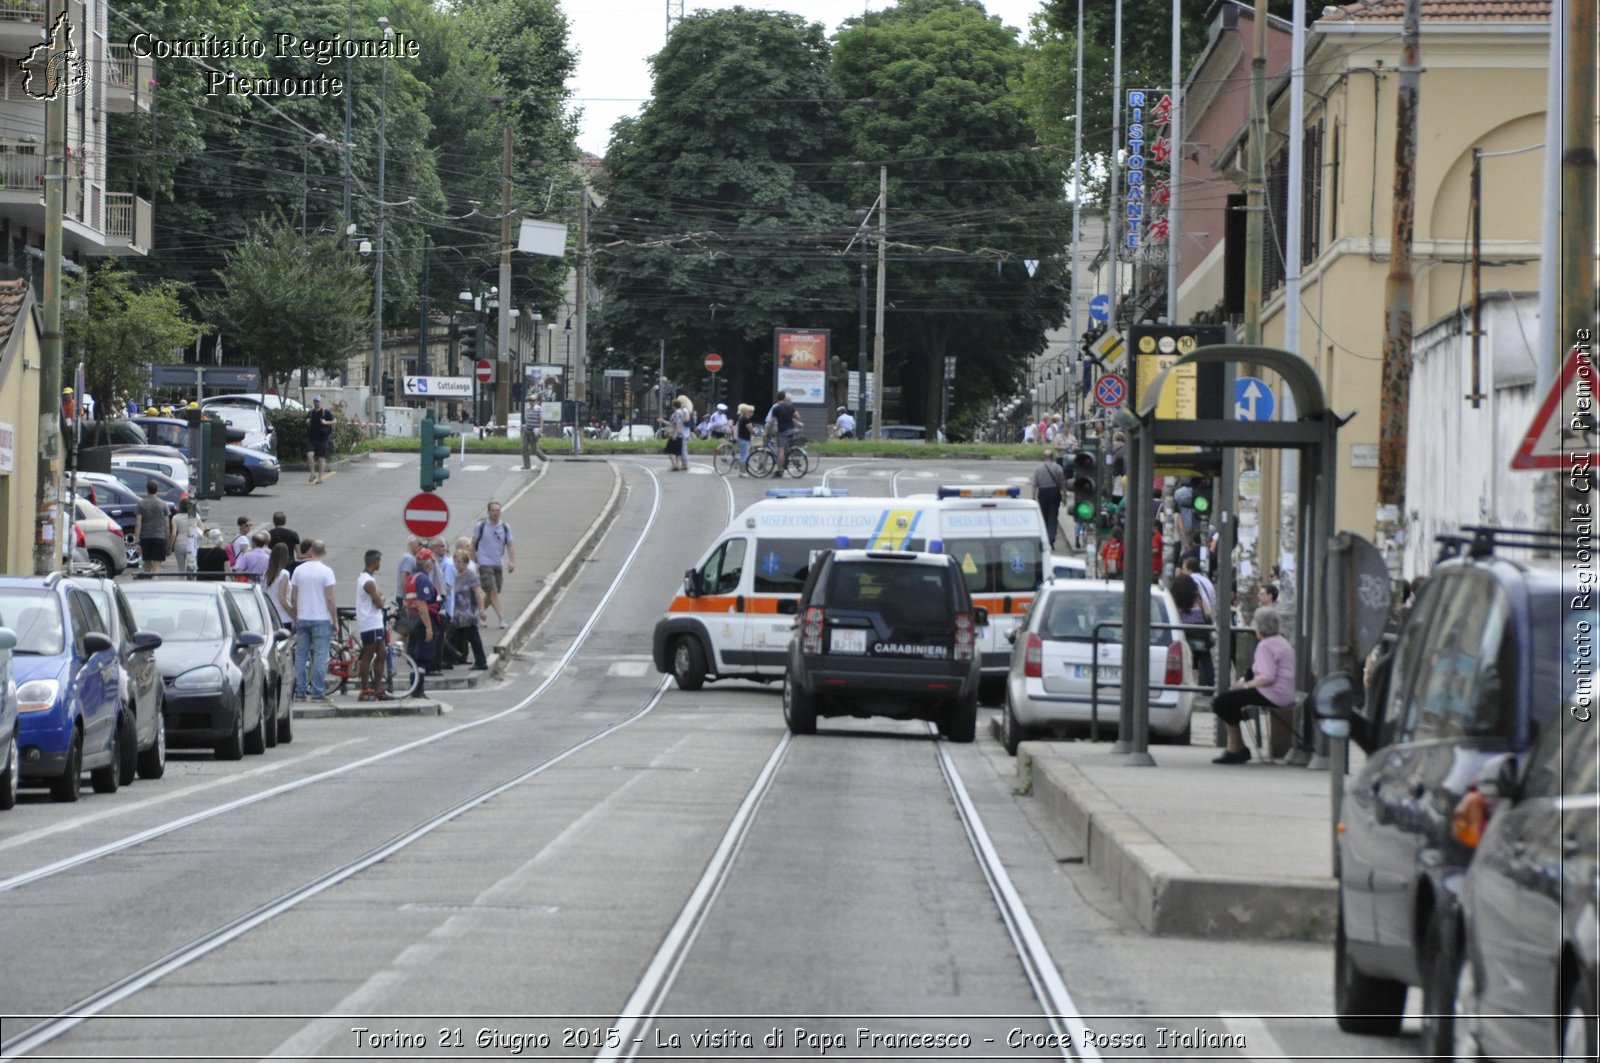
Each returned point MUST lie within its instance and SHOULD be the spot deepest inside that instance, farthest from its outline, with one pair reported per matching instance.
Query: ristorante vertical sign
(1149, 165)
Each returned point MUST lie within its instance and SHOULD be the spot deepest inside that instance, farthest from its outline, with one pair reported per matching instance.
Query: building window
(1272, 257)
(1333, 191)
(1311, 197)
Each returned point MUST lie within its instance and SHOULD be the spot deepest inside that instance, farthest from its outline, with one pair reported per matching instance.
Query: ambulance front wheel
(689, 663)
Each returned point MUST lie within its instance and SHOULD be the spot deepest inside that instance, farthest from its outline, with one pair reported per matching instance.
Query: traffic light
(1085, 484)
(211, 459)
(435, 452)
(1201, 502)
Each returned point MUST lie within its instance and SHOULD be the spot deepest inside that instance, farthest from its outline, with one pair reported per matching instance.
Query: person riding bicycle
(787, 422)
(744, 430)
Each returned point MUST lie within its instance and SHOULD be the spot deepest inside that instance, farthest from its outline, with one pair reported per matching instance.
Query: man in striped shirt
(532, 425)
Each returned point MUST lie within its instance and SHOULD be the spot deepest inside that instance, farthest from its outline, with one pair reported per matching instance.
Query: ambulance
(734, 616)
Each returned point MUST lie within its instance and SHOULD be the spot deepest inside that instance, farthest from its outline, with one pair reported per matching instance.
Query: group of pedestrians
(782, 423)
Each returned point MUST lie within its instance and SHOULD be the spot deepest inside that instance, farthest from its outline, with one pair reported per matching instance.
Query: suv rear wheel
(799, 710)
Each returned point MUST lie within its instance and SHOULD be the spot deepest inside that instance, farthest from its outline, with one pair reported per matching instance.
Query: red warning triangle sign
(1563, 429)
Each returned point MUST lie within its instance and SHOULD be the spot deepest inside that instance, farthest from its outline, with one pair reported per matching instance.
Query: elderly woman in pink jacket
(1269, 683)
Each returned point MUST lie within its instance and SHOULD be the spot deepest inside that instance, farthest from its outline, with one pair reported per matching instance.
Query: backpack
(231, 552)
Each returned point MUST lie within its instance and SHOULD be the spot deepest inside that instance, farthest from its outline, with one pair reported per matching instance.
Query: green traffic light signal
(435, 453)
(1083, 511)
(1201, 504)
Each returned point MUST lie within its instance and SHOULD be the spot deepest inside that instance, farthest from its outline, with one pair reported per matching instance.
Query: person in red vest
(1155, 554)
(1111, 555)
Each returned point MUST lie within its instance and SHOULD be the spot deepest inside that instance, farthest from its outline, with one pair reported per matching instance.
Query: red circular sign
(426, 515)
(713, 363)
(485, 371)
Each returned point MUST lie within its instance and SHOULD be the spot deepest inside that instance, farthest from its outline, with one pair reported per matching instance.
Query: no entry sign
(713, 363)
(484, 371)
(426, 515)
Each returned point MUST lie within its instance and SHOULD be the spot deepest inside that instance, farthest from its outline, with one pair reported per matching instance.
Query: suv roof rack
(1484, 539)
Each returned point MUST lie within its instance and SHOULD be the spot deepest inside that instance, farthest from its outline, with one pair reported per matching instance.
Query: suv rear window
(900, 593)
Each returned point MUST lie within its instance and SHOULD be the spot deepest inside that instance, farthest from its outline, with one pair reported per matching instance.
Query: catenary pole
(877, 336)
(1113, 229)
(1174, 202)
(1077, 188)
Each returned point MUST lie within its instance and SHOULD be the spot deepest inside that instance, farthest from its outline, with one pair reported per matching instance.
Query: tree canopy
(117, 325)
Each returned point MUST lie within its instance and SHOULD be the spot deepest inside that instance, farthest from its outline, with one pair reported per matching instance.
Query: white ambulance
(735, 614)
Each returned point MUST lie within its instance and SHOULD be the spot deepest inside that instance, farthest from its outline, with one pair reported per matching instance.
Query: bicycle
(764, 458)
(401, 674)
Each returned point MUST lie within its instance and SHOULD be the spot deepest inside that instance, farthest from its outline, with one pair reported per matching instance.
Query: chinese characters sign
(1149, 164)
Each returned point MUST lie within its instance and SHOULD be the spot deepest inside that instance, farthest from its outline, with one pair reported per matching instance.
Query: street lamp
(375, 378)
(566, 384)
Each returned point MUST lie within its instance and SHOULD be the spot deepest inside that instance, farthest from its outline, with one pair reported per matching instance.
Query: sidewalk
(1194, 848)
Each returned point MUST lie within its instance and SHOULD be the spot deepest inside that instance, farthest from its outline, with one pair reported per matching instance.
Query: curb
(534, 613)
(409, 707)
(1163, 893)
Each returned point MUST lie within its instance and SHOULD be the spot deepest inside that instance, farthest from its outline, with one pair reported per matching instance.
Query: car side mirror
(281, 634)
(1011, 636)
(8, 639)
(1500, 777)
(980, 616)
(1333, 700)
(691, 583)
(789, 606)
(146, 640)
(250, 639)
(96, 642)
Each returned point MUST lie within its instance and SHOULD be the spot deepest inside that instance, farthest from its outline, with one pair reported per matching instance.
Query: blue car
(68, 686)
(246, 469)
(10, 749)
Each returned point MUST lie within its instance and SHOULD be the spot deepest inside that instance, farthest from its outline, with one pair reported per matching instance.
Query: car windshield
(36, 618)
(247, 418)
(177, 617)
(1072, 615)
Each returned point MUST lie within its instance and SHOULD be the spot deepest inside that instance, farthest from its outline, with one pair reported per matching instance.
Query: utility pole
(1077, 187)
(50, 542)
(861, 351)
(1177, 163)
(1578, 178)
(1114, 228)
(1397, 291)
(422, 331)
(877, 338)
(1256, 179)
(502, 354)
(581, 293)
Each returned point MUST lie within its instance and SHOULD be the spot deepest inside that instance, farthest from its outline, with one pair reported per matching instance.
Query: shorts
(786, 439)
(375, 636)
(153, 549)
(319, 447)
(493, 578)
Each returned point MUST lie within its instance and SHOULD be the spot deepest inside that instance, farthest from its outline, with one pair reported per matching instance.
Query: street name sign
(439, 387)
(427, 515)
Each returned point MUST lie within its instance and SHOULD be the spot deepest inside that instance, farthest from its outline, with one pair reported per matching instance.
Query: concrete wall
(20, 380)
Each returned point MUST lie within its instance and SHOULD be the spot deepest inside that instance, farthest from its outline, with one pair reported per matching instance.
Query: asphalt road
(585, 862)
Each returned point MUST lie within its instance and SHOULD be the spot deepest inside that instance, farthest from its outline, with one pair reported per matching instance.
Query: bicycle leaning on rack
(764, 458)
(401, 673)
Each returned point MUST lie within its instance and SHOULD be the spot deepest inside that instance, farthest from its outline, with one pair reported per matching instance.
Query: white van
(735, 614)
(173, 466)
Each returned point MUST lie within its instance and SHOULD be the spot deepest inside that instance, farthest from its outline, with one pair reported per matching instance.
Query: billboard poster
(1149, 171)
(802, 364)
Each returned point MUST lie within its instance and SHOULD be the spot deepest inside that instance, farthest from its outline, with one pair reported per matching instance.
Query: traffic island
(341, 707)
(1192, 848)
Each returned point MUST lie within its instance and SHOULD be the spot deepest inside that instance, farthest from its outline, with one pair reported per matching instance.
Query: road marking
(1253, 1031)
(628, 669)
(387, 464)
(475, 468)
(169, 795)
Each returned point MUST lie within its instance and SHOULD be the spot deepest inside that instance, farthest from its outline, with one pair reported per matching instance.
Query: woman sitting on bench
(1269, 684)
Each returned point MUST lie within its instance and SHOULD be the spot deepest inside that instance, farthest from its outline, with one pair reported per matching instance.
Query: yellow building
(20, 378)
(1483, 86)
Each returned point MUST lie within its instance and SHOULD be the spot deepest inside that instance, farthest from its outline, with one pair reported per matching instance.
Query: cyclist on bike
(744, 430)
(369, 621)
(787, 422)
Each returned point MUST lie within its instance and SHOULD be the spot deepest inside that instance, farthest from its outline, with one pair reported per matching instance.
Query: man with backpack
(497, 555)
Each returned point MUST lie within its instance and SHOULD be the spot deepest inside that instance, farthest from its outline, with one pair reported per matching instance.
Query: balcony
(129, 80)
(129, 223)
(21, 25)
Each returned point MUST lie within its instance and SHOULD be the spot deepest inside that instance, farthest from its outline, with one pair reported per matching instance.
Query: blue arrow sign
(1252, 400)
(1100, 307)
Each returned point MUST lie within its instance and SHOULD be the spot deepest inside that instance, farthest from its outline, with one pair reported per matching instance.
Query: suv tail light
(1471, 816)
(1033, 657)
(966, 637)
(811, 630)
(1174, 664)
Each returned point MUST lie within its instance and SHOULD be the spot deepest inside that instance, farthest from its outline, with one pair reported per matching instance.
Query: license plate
(1107, 674)
(847, 640)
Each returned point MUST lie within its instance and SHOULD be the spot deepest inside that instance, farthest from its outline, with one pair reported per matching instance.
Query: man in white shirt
(369, 621)
(717, 423)
(844, 424)
(312, 604)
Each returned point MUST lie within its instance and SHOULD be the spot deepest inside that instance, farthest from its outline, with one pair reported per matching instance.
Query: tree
(718, 225)
(977, 225)
(123, 327)
(291, 302)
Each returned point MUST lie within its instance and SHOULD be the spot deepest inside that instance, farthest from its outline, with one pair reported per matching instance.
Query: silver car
(10, 747)
(1052, 657)
(277, 658)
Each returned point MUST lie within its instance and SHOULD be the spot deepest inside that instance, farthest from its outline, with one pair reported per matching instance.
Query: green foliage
(718, 224)
(291, 428)
(970, 199)
(123, 327)
(289, 301)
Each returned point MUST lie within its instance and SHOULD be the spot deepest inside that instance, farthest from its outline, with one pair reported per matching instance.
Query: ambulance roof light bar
(806, 492)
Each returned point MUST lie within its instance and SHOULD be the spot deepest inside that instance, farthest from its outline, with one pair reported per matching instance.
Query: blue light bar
(806, 492)
(935, 546)
(980, 491)
(842, 541)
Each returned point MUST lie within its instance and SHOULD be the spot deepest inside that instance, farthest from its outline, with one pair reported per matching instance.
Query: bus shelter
(1313, 432)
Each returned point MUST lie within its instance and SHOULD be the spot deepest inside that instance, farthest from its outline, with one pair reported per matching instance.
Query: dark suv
(885, 633)
(1476, 671)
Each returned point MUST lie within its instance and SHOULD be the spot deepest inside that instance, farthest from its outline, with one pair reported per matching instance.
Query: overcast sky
(615, 39)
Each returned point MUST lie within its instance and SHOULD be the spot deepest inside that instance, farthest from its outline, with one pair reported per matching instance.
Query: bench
(1279, 740)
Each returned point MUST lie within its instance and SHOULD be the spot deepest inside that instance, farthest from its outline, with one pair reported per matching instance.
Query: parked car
(277, 658)
(1474, 673)
(69, 707)
(111, 498)
(162, 461)
(1062, 567)
(168, 490)
(903, 432)
(102, 537)
(249, 417)
(1524, 968)
(270, 400)
(885, 633)
(10, 744)
(638, 433)
(1053, 661)
(144, 743)
(115, 432)
(209, 664)
(245, 469)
